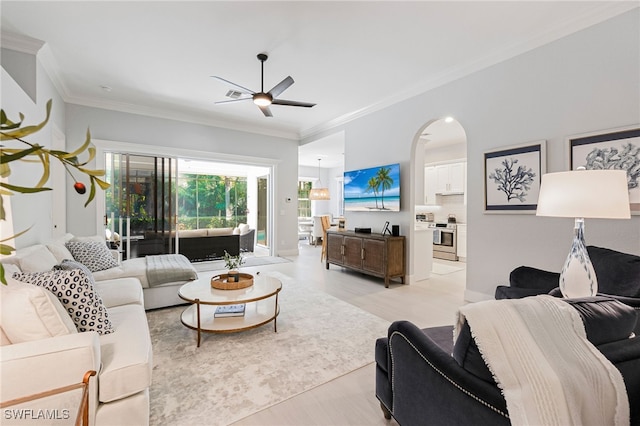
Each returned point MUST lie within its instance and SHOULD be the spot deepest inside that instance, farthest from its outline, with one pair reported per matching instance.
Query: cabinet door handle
(342, 249)
(362, 253)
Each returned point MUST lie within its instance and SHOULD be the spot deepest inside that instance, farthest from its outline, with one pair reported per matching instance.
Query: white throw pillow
(244, 228)
(75, 290)
(59, 251)
(40, 259)
(32, 313)
(92, 254)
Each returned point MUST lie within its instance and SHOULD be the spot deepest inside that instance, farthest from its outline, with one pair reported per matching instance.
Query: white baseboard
(474, 296)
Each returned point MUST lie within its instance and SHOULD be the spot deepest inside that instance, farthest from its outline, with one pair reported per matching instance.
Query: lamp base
(578, 278)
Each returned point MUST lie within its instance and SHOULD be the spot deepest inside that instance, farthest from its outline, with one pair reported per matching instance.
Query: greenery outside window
(304, 203)
(211, 201)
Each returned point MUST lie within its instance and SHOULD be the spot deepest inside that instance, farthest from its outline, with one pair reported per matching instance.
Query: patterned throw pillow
(92, 254)
(74, 289)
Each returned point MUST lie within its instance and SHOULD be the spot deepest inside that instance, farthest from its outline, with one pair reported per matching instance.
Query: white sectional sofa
(43, 257)
(42, 350)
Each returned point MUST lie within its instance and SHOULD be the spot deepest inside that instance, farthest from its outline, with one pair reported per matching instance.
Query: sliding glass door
(140, 204)
(155, 202)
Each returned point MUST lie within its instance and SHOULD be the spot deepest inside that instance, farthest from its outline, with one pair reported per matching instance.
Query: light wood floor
(350, 399)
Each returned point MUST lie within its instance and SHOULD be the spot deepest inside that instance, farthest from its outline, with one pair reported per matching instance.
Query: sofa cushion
(93, 254)
(133, 268)
(60, 252)
(74, 289)
(58, 249)
(212, 232)
(126, 354)
(31, 313)
(605, 319)
(39, 259)
(244, 228)
(191, 233)
(618, 273)
(120, 291)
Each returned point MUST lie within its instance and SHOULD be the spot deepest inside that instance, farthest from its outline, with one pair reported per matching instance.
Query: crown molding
(20, 43)
(594, 16)
(191, 116)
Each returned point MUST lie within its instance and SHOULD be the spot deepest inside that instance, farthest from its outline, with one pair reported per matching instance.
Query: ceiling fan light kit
(263, 99)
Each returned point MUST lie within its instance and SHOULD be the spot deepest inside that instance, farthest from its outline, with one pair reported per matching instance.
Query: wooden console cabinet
(373, 254)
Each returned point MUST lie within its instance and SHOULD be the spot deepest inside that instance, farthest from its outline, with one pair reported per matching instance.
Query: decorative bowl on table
(223, 281)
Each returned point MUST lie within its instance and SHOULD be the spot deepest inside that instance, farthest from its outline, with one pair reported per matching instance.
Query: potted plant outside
(232, 264)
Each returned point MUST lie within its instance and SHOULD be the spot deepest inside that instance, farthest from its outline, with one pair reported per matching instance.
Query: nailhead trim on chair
(486, 404)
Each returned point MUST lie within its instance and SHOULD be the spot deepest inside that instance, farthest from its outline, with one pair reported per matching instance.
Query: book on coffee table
(229, 311)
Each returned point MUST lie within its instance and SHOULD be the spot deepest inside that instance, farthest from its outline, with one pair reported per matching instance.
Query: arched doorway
(439, 181)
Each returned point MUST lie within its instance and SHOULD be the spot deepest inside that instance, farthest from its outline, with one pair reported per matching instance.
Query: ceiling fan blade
(231, 100)
(237, 86)
(266, 111)
(281, 87)
(292, 103)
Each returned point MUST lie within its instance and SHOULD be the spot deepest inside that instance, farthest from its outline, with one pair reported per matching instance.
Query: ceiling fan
(263, 99)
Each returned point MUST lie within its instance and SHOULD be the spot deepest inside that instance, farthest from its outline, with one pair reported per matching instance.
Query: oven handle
(437, 236)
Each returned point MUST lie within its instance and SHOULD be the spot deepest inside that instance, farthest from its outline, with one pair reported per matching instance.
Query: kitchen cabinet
(372, 254)
(461, 232)
(450, 178)
(430, 184)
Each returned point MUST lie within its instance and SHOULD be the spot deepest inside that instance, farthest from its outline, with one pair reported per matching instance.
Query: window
(211, 201)
(304, 203)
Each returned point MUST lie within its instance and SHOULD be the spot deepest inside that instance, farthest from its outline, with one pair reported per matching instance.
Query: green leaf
(22, 189)
(80, 150)
(7, 158)
(91, 172)
(25, 131)
(3, 215)
(15, 236)
(104, 185)
(6, 250)
(92, 193)
(3, 280)
(44, 159)
(5, 170)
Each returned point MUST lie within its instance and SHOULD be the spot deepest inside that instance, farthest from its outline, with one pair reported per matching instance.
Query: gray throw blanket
(166, 268)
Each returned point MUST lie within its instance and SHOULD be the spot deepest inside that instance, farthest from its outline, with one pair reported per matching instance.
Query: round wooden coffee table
(261, 305)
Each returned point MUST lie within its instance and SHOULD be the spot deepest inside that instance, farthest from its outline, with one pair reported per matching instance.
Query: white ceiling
(348, 57)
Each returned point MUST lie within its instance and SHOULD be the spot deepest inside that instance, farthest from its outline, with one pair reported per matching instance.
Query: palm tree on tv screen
(373, 186)
(384, 181)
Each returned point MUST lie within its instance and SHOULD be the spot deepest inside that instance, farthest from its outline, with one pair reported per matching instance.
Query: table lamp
(583, 194)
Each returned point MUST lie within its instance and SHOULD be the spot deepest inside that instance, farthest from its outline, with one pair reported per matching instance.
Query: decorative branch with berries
(17, 131)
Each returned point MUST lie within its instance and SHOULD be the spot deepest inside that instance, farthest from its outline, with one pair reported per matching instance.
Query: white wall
(585, 82)
(31, 210)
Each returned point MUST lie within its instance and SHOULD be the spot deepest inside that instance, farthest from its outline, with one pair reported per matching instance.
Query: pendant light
(319, 193)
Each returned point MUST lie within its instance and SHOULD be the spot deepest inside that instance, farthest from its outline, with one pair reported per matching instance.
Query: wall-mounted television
(373, 189)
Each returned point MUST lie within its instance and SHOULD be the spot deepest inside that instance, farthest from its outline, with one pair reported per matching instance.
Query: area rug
(215, 265)
(441, 269)
(232, 376)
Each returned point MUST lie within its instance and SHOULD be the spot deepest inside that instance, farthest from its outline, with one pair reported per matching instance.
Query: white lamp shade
(319, 194)
(585, 194)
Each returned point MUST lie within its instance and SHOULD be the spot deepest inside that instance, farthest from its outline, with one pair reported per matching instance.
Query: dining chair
(326, 224)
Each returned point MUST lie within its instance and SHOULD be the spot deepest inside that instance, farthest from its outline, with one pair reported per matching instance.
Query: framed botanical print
(512, 178)
(617, 149)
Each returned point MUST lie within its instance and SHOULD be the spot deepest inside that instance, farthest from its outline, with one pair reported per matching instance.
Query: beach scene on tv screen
(373, 189)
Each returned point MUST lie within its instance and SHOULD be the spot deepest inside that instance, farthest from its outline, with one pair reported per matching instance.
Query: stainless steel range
(444, 241)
